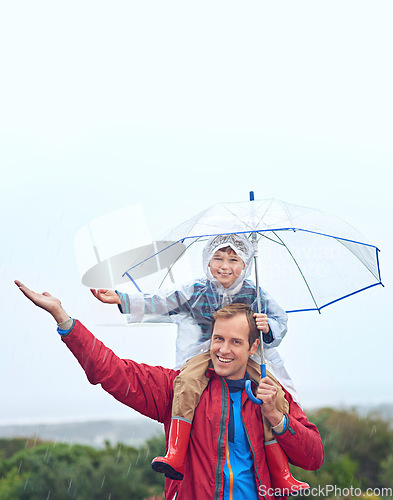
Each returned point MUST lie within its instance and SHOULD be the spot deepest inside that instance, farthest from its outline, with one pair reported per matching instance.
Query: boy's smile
(226, 267)
(230, 350)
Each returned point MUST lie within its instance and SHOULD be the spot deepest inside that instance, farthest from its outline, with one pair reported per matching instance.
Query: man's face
(229, 350)
(226, 267)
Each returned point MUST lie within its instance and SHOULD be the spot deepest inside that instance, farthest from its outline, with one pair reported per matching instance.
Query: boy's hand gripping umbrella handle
(263, 366)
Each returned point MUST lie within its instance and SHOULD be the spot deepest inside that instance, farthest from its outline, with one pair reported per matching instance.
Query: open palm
(44, 300)
(106, 296)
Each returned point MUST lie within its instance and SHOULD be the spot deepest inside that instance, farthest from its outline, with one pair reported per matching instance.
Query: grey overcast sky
(175, 106)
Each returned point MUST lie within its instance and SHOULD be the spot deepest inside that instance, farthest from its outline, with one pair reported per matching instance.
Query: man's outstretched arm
(146, 389)
(45, 301)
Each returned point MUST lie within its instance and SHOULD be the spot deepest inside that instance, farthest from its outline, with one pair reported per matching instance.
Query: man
(226, 456)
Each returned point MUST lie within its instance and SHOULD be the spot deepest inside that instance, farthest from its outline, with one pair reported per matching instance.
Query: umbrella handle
(250, 395)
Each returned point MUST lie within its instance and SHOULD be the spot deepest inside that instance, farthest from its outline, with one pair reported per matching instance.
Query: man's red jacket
(149, 390)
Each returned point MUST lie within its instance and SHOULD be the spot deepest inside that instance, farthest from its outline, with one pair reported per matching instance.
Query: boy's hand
(45, 301)
(262, 323)
(267, 392)
(106, 296)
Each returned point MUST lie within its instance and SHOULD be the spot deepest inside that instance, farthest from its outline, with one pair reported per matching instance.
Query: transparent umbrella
(308, 259)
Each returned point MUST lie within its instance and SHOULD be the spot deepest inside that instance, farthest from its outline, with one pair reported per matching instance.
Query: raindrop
(118, 454)
(103, 481)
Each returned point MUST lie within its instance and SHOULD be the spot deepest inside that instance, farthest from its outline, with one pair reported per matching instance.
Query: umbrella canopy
(308, 259)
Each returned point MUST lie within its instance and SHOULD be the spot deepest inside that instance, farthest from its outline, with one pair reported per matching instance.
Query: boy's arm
(277, 318)
(106, 296)
(140, 307)
(158, 307)
(262, 323)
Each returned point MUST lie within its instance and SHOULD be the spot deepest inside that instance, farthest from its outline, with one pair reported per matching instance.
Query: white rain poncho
(191, 307)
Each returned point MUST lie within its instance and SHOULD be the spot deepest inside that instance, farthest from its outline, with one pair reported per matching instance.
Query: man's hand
(106, 296)
(45, 301)
(267, 392)
(262, 322)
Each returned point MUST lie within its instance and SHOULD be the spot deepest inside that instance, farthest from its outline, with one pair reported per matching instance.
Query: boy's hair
(234, 309)
(227, 249)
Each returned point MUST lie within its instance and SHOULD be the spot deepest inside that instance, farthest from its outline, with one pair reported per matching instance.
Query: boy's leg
(188, 387)
(277, 461)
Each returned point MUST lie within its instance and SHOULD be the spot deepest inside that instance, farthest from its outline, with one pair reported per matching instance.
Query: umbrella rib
(284, 206)
(177, 258)
(300, 271)
(195, 222)
(148, 258)
(266, 210)
(364, 265)
(262, 235)
(238, 218)
(197, 217)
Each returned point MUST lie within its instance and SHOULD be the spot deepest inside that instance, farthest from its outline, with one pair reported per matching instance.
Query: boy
(227, 261)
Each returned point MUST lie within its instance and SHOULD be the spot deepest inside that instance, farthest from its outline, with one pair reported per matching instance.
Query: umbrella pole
(255, 244)
(263, 365)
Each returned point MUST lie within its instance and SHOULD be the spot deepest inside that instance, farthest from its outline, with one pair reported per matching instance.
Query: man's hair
(235, 309)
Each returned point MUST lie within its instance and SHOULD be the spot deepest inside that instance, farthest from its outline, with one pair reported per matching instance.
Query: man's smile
(224, 360)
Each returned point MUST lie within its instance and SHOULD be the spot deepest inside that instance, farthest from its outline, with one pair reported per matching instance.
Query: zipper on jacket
(253, 453)
(228, 462)
(221, 439)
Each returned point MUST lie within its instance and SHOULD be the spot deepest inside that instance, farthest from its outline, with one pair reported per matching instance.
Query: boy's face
(229, 349)
(226, 267)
